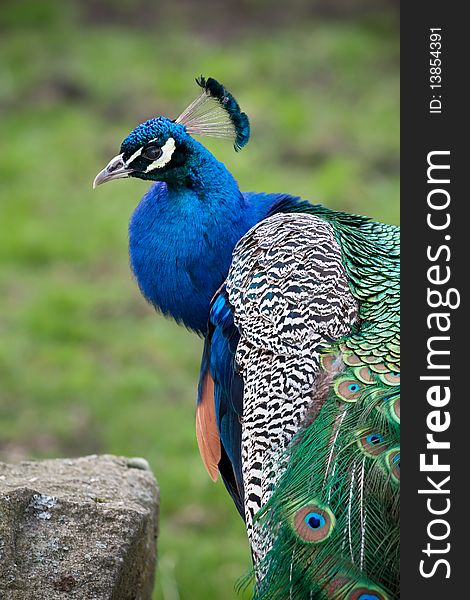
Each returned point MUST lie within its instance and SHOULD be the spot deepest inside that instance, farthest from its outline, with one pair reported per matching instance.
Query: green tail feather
(334, 514)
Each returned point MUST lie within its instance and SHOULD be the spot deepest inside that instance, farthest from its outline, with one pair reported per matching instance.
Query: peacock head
(163, 150)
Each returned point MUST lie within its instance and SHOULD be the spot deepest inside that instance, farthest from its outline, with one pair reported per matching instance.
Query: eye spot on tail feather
(313, 523)
(348, 390)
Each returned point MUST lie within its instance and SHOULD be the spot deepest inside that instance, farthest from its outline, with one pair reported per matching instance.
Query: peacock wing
(333, 516)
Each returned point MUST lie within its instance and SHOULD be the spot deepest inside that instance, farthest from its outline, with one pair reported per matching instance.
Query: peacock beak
(115, 169)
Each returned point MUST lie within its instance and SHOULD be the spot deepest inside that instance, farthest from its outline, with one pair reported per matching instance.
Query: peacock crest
(216, 113)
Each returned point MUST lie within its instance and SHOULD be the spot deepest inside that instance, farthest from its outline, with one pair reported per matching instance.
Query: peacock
(298, 403)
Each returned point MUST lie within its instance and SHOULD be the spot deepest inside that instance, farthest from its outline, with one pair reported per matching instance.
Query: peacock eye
(152, 152)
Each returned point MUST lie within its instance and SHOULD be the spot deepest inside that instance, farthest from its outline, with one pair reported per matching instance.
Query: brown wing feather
(207, 432)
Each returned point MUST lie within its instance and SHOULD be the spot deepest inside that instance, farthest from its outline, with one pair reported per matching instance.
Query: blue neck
(181, 238)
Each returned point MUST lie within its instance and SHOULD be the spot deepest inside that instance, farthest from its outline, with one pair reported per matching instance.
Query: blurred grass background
(85, 365)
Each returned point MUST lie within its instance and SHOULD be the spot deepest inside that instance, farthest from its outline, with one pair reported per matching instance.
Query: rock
(80, 528)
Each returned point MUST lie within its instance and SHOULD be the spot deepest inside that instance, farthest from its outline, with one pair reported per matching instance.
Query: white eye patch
(167, 152)
(134, 156)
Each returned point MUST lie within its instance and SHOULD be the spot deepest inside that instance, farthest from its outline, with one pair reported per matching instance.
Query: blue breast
(181, 244)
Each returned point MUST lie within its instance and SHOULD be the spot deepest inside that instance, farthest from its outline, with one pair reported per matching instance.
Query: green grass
(85, 365)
